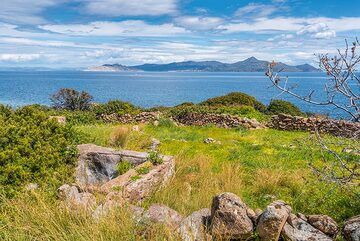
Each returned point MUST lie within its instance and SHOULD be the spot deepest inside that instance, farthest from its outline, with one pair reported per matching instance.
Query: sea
(149, 89)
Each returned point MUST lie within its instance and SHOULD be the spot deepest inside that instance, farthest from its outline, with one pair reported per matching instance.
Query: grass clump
(284, 107)
(123, 167)
(235, 99)
(155, 158)
(143, 170)
(120, 136)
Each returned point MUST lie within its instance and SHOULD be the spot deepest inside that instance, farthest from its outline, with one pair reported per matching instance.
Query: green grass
(259, 166)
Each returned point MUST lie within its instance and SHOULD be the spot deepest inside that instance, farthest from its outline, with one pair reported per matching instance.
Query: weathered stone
(154, 144)
(135, 128)
(194, 227)
(75, 199)
(159, 213)
(272, 220)
(296, 229)
(324, 223)
(351, 229)
(60, 119)
(209, 140)
(31, 186)
(229, 218)
(97, 170)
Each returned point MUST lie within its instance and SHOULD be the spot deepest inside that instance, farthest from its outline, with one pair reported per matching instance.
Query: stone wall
(220, 120)
(323, 125)
(143, 117)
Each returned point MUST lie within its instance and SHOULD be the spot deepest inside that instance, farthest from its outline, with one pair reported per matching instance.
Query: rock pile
(334, 127)
(220, 120)
(143, 117)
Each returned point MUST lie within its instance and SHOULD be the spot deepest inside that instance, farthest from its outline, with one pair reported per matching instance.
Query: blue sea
(148, 89)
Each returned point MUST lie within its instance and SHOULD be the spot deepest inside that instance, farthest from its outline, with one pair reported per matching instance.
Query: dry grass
(120, 136)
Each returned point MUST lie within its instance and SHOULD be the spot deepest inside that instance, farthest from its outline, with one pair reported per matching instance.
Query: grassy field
(259, 166)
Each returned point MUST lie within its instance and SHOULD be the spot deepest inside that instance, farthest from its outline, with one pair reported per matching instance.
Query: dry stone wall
(335, 127)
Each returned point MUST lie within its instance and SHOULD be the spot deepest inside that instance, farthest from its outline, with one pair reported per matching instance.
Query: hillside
(251, 64)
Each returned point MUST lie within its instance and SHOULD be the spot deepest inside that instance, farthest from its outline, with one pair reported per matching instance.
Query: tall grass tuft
(120, 136)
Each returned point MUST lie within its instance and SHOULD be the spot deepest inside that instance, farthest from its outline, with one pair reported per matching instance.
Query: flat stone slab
(97, 171)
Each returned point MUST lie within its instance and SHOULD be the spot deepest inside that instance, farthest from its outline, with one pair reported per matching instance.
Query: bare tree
(343, 82)
(342, 91)
(70, 99)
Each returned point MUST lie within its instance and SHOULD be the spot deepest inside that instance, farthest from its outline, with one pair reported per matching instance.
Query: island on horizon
(251, 64)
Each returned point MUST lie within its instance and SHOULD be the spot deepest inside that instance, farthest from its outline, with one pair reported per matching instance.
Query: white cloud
(256, 10)
(199, 23)
(19, 57)
(124, 28)
(131, 7)
(294, 24)
(24, 12)
(317, 30)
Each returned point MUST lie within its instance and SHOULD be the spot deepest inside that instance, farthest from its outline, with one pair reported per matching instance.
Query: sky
(83, 33)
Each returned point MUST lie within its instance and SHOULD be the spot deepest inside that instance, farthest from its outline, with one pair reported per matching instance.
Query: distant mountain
(248, 65)
(111, 68)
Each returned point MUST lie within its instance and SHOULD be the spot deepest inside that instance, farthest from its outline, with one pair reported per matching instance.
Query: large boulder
(229, 219)
(272, 220)
(195, 226)
(158, 213)
(351, 230)
(97, 170)
(76, 200)
(324, 223)
(297, 229)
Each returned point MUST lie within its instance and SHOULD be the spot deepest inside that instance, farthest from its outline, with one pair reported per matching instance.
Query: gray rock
(76, 200)
(154, 144)
(194, 227)
(272, 220)
(31, 186)
(351, 229)
(296, 229)
(159, 213)
(229, 219)
(209, 140)
(324, 223)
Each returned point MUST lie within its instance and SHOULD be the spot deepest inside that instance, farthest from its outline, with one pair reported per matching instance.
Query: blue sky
(82, 33)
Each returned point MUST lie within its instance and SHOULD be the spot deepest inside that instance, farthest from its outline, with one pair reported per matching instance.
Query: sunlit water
(147, 89)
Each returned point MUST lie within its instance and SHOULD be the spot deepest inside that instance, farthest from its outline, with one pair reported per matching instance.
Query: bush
(34, 149)
(284, 107)
(155, 158)
(235, 99)
(123, 167)
(120, 136)
(116, 106)
(70, 99)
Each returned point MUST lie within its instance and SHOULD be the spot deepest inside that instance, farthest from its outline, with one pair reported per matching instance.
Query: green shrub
(155, 158)
(116, 106)
(70, 99)
(284, 107)
(123, 167)
(34, 149)
(143, 170)
(166, 122)
(235, 99)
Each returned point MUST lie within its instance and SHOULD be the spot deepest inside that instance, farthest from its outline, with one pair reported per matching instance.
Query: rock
(324, 223)
(194, 227)
(351, 229)
(156, 123)
(272, 220)
(97, 170)
(229, 218)
(31, 186)
(159, 213)
(60, 119)
(154, 144)
(209, 140)
(76, 200)
(135, 128)
(252, 215)
(296, 229)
